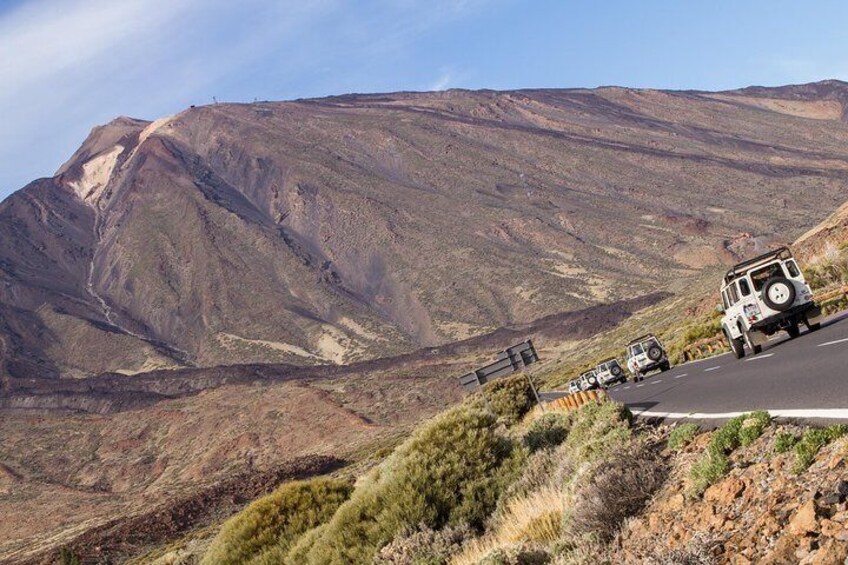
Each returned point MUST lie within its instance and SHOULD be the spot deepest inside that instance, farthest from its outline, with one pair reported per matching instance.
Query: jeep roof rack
(641, 339)
(607, 361)
(779, 253)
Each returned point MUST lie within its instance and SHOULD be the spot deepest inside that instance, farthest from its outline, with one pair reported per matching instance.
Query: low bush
(812, 441)
(681, 435)
(424, 546)
(740, 431)
(752, 427)
(273, 522)
(618, 487)
(510, 399)
(784, 441)
(708, 469)
(536, 506)
(518, 554)
(549, 430)
(451, 471)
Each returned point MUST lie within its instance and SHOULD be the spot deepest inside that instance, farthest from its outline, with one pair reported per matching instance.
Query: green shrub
(681, 435)
(549, 430)
(451, 471)
(510, 399)
(713, 464)
(812, 441)
(273, 522)
(301, 548)
(784, 441)
(67, 557)
(753, 427)
(424, 546)
(707, 470)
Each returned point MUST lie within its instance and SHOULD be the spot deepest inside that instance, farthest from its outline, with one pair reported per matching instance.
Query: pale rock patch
(96, 173)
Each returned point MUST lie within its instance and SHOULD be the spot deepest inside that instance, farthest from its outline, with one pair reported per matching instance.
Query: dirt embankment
(764, 510)
(123, 537)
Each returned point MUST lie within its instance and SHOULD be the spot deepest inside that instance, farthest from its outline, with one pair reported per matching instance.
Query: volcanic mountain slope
(364, 225)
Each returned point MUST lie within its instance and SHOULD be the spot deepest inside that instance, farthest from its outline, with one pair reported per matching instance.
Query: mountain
(359, 226)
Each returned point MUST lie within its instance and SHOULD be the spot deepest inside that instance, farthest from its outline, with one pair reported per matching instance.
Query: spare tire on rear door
(616, 371)
(654, 353)
(779, 293)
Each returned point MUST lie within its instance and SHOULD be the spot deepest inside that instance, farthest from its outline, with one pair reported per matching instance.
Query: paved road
(805, 379)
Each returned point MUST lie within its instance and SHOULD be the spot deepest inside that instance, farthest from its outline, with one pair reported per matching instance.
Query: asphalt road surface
(801, 379)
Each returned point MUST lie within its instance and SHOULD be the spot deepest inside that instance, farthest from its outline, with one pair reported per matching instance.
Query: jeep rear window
(637, 349)
(744, 287)
(792, 267)
(760, 276)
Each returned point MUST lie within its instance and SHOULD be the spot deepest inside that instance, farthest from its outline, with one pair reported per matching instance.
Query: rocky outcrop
(762, 512)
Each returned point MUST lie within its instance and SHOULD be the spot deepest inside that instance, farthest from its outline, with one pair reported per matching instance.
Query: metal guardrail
(576, 400)
(509, 361)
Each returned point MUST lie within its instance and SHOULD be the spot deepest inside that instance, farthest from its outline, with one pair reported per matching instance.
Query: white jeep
(646, 354)
(610, 372)
(762, 296)
(574, 387)
(589, 380)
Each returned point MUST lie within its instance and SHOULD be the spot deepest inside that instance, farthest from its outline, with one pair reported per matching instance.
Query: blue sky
(68, 65)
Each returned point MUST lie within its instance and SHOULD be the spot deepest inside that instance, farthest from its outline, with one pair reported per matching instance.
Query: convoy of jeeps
(759, 297)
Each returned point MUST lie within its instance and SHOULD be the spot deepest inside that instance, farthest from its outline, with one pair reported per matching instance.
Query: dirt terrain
(228, 290)
(361, 226)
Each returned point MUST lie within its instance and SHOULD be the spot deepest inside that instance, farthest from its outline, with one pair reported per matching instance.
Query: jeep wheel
(736, 345)
(811, 327)
(793, 330)
(755, 349)
(779, 293)
(654, 353)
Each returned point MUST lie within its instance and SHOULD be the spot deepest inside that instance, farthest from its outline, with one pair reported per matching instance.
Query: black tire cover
(616, 370)
(787, 293)
(654, 353)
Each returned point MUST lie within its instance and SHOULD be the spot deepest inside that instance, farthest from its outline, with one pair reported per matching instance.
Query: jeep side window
(732, 294)
(724, 300)
(792, 267)
(744, 287)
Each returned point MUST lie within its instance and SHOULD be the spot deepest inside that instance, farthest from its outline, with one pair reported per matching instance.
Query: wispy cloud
(67, 65)
(443, 82)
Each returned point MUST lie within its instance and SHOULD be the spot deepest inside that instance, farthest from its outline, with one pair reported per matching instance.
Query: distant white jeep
(589, 380)
(610, 372)
(574, 387)
(762, 296)
(646, 354)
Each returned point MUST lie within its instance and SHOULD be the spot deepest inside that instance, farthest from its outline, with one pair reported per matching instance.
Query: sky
(69, 65)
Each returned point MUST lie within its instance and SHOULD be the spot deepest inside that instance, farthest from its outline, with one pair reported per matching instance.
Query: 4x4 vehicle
(645, 354)
(609, 371)
(589, 380)
(573, 387)
(762, 296)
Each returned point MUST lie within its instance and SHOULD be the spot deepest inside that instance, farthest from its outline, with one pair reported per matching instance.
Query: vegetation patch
(450, 472)
(265, 530)
(812, 441)
(424, 546)
(619, 487)
(681, 435)
(547, 431)
(510, 399)
(714, 464)
(784, 441)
